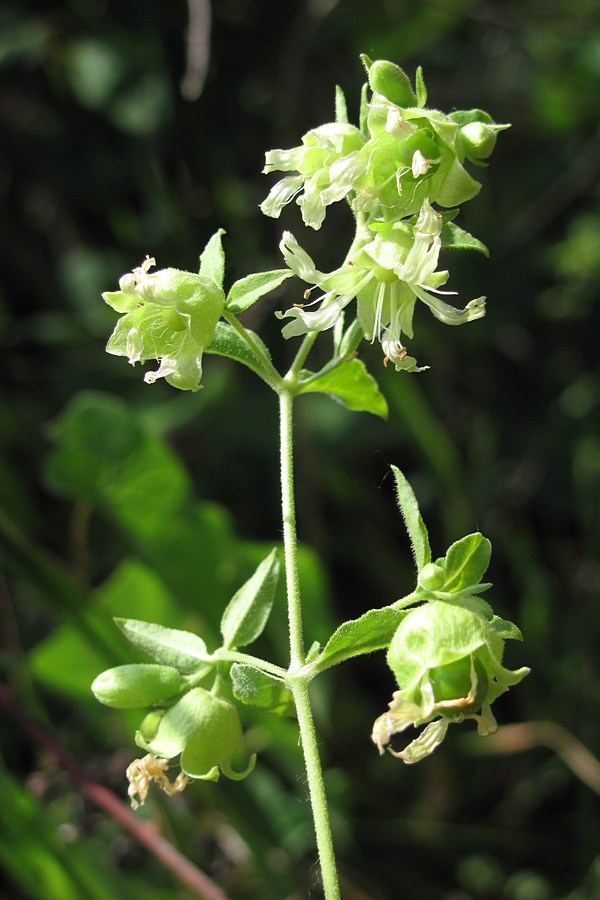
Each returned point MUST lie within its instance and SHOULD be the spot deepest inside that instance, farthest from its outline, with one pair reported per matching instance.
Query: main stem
(300, 688)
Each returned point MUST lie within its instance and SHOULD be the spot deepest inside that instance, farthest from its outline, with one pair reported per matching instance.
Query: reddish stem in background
(144, 832)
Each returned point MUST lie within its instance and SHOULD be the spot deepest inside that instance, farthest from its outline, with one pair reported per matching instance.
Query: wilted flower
(170, 316)
(447, 659)
(142, 772)
(386, 275)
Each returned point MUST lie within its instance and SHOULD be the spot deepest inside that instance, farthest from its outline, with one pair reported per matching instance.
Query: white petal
(280, 194)
(167, 367)
(430, 738)
(447, 314)
(298, 259)
(283, 160)
(320, 320)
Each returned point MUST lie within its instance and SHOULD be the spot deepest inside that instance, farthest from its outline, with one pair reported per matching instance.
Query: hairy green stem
(300, 687)
(262, 664)
(316, 789)
(290, 537)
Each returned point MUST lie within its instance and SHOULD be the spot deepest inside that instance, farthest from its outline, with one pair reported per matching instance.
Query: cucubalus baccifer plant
(404, 172)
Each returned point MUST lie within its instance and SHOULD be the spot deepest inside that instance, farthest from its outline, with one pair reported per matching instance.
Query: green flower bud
(432, 577)
(389, 79)
(135, 686)
(477, 140)
(205, 730)
(170, 316)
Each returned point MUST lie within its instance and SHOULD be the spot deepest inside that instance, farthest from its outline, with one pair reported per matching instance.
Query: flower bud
(389, 79)
(477, 140)
(432, 577)
(135, 686)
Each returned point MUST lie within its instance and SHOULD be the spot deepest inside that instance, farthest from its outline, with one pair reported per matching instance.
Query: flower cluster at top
(392, 170)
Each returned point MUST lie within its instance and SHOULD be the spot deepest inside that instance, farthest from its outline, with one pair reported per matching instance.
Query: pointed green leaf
(352, 385)
(248, 290)
(456, 238)
(341, 109)
(372, 631)
(415, 526)
(505, 629)
(264, 692)
(421, 89)
(212, 259)
(182, 650)
(467, 561)
(227, 342)
(313, 652)
(247, 613)
(466, 116)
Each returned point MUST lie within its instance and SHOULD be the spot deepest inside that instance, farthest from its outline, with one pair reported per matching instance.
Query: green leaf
(313, 652)
(247, 613)
(264, 692)
(341, 109)
(227, 342)
(372, 631)
(212, 259)
(421, 89)
(415, 526)
(467, 561)
(352, 385)
(466, 116)
(505, 629)
(248, 290)
(455, 238)
(181, 650)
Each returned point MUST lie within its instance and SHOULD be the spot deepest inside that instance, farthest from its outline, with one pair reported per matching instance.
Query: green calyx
(204, 729)
(447, 659)
(459, 687)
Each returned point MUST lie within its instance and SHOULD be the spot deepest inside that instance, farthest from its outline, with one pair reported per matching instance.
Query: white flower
(386, 275)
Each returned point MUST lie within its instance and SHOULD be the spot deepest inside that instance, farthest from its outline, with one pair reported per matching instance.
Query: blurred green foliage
(119, 498)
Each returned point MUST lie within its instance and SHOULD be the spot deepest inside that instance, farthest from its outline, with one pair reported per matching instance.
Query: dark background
(114, 495)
